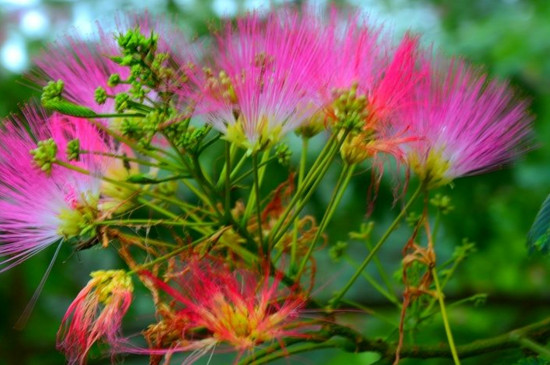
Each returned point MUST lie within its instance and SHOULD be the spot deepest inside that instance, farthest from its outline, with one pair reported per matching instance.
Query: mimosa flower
(96, 313)
(36, 208)
(467, 124)
(216, 305)
(264, 83)
(371, 84)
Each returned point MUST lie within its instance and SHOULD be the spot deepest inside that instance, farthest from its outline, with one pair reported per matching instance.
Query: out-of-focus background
(510, 38)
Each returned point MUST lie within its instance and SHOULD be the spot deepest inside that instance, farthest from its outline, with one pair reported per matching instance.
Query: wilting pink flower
(264, 82)
(239, 308)
(96, 313)
(467, 124)
(37, 209)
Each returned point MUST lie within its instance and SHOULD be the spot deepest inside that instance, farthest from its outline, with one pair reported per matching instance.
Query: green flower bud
(100, 95)
(283, 154)
(121, 102)
(52, 91)
(114, 80)
(73, 150)
(44, 155)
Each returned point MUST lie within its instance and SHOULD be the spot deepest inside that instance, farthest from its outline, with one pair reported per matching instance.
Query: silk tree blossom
(467, 124)
(265, 80)
(215, 305)
(36, 208)
(370, 85)
(96, 313)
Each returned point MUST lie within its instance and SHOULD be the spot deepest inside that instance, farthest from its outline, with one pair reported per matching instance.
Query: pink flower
(96, 313)
(234, 307)
(37, 209)
(467, 124)
(265, 80)
(371, 84)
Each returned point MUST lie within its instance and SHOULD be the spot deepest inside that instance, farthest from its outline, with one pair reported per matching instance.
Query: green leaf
(68, 108)
(538, 237)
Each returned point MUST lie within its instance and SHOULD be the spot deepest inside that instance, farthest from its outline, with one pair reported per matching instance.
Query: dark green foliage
(538, 238)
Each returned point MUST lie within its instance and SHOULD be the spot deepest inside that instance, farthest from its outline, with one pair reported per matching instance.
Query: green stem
(375, 284)
(184, 206)
(257, 196)
(543, 351)
(301, 189)
(167, 256)
(149, 222)
(372, 253)
(227, 168)
(312, 180)
(337, 194)
(441, 300)
(132, 145)
(122, 157)
(231, 155)
(258, 173)
(390, 289)
(301, 173)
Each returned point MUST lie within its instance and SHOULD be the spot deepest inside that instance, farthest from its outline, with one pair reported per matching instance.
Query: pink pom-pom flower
(467, 124)
(36, 208)
(265, 81)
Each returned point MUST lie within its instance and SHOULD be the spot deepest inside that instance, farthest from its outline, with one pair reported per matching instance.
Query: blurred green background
(510, 38)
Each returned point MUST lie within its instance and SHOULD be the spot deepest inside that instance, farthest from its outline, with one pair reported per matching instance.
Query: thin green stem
(123, 157)
(372, 253)
(257, 183)
(149, 222)
(383, 275)
(167, 256)
(375, 284)
(312, 180)
(223, 174)
(543, 351)
(301, 175)
(441, 300)
(227, 168)
(337, 194)
(251, 202)
(301, 189)
(184, 206)
(132, 145)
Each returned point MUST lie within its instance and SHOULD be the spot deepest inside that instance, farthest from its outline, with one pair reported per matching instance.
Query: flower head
(264, 83)
(467, 124)
(95, 313)
(370, 85)
(217, 305)
(36, 208)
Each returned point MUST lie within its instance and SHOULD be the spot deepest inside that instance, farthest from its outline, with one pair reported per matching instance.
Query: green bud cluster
(283, 154)
(52, 91)
(100, 95)
(131, 127)
(443, 203)
(113, 80)
(73, 150)
(121, 102)
(44, 155)
(350, 109)
(338, 250)
(192, 138)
